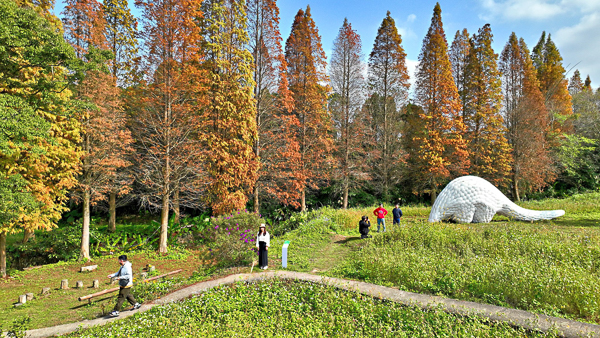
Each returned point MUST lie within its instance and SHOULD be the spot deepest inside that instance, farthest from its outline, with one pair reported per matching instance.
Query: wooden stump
(29, 296)
(64, 284)
(79, 284)
(45, 291)
(88, 268)
(96, 284)
(143, 275)
(23, 299)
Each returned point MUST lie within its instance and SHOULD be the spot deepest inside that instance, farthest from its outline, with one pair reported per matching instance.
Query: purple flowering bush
(231, 239)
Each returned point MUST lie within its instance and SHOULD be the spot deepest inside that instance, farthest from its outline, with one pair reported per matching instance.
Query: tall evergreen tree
(575, 84)
(39, 157)
(120, 33)
(166, 121)
(553, 85)
(277, 151)
(489, 151)
(346, 73)
(525, 118)
(230, 116)
(442, 153)
(459, 54)
(388, 80)
(588, 84)
(306, 63)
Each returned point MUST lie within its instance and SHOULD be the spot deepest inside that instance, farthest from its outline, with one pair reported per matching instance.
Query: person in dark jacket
(397, 213)
(363, 227)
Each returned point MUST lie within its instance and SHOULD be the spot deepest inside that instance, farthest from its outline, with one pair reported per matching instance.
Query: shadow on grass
(85, 303)
(348, 239)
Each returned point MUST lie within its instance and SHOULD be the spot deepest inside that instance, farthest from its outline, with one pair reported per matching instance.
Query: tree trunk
(3, 254)
(85, 232)
(303, 201)
(164, 224)
(433, 194)
(112, 211)
(345, 206)
(256, 205)
(176, 212)
(516, 189)
(29, 234)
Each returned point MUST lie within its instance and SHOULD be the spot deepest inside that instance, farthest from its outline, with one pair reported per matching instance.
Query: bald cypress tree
(388, 82)
(306, 63)
(489, 152)
(459, 54)
(553, 85)
(525, 120)
(442, 153)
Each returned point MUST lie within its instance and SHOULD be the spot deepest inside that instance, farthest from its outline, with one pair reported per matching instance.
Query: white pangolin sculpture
(471, 199)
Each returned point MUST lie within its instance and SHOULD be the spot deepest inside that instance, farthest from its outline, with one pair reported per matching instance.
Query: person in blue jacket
(396, 213)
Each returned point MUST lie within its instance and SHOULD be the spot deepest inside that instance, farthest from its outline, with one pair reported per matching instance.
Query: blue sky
(574, 24)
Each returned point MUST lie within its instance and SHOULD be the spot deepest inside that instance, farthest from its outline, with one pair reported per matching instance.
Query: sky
(573, 24)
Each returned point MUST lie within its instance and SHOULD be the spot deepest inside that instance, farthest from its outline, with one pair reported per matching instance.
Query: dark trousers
(263, 257)
(124, 293)
(396, 221)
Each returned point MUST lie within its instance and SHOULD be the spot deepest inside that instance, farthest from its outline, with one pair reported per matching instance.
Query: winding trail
(532, 321)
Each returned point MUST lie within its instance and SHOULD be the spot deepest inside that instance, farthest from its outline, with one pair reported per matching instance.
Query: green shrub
(231, 239)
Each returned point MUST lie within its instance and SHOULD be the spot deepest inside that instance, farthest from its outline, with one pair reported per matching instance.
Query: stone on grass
(88, 268)
(143, 275)
(79, 284)
(45, 291)
(64, 284)
(23, 299)
(96, 284)
(29, 296)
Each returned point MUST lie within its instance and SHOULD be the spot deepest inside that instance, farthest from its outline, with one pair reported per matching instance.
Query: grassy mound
(280, 308)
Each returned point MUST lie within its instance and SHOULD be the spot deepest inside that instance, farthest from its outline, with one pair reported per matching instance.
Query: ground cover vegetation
(286, 308)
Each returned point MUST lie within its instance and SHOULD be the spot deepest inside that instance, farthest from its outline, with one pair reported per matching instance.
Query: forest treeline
(206, 108)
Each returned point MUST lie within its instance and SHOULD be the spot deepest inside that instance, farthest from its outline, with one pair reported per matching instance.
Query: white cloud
(411, 18)
(524, 9)
(580, 46)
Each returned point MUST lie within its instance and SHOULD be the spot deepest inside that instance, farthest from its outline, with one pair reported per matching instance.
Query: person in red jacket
(380, 214)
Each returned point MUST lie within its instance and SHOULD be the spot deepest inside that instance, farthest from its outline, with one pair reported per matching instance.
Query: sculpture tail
(521, 214)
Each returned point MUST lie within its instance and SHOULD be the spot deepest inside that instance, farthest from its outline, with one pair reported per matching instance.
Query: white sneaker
(137, 306)
(114, 314)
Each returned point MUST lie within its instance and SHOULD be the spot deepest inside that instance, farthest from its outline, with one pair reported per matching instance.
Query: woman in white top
(262, 243)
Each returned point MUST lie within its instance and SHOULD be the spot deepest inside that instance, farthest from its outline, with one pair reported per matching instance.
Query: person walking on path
(363, 227)
(397, 213)
(125, 278)
(380, 214)
(263, 240)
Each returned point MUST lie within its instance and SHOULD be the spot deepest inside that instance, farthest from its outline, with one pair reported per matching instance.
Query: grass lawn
(62, 306)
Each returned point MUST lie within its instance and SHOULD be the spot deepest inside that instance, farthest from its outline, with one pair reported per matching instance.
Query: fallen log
(115, 289)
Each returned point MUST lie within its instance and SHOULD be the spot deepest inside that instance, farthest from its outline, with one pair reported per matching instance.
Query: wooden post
(79, 284)
(29, 296)
(96, 284)
(23, 299)
(45, 291)
(64, 284)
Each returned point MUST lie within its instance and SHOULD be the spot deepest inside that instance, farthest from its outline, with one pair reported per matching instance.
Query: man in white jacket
(125, 277)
